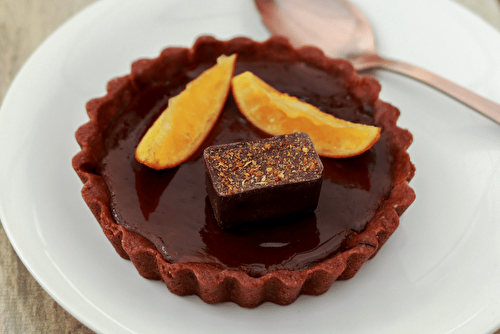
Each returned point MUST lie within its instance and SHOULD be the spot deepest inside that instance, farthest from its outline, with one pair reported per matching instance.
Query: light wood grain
(24, 306)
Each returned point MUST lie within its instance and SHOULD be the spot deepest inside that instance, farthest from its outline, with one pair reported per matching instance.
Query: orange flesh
(189, 117)
(277, 113)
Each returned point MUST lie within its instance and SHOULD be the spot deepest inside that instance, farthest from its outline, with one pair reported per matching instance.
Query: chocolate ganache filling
(171, 208)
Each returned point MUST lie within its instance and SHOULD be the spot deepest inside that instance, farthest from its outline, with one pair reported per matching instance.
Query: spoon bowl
(340, 29)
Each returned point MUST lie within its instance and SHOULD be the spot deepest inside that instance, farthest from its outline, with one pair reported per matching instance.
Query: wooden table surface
(24, 306)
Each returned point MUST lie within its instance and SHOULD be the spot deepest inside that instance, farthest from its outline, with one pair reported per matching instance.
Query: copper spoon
(340, 29)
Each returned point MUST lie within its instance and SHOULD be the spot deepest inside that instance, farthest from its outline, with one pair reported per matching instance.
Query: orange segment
(189, 117)
(278, 113)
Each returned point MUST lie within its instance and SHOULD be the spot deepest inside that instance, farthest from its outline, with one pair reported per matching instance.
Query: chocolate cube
(264, 179)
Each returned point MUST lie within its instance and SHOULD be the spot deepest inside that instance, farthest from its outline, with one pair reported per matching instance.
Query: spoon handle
(482, 105)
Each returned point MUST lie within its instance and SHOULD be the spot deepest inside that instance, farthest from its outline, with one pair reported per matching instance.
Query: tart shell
(209, 282)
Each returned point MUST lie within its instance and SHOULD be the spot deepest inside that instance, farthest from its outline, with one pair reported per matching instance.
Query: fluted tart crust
(209, 271)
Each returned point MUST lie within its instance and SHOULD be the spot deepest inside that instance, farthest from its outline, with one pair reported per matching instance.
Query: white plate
(439, 273)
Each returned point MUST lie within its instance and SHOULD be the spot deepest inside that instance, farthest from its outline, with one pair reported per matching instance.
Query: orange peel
(185, 123)
(278, 113)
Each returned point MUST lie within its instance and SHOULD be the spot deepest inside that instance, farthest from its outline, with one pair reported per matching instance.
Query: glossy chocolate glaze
(171, 207)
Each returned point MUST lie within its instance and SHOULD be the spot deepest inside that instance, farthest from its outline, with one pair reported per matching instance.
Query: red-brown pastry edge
(209, 282)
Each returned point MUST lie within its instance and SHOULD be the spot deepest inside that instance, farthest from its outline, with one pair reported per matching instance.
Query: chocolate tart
(162, 220)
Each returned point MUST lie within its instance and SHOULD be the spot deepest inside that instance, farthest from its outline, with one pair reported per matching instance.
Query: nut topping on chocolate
(285, 171)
